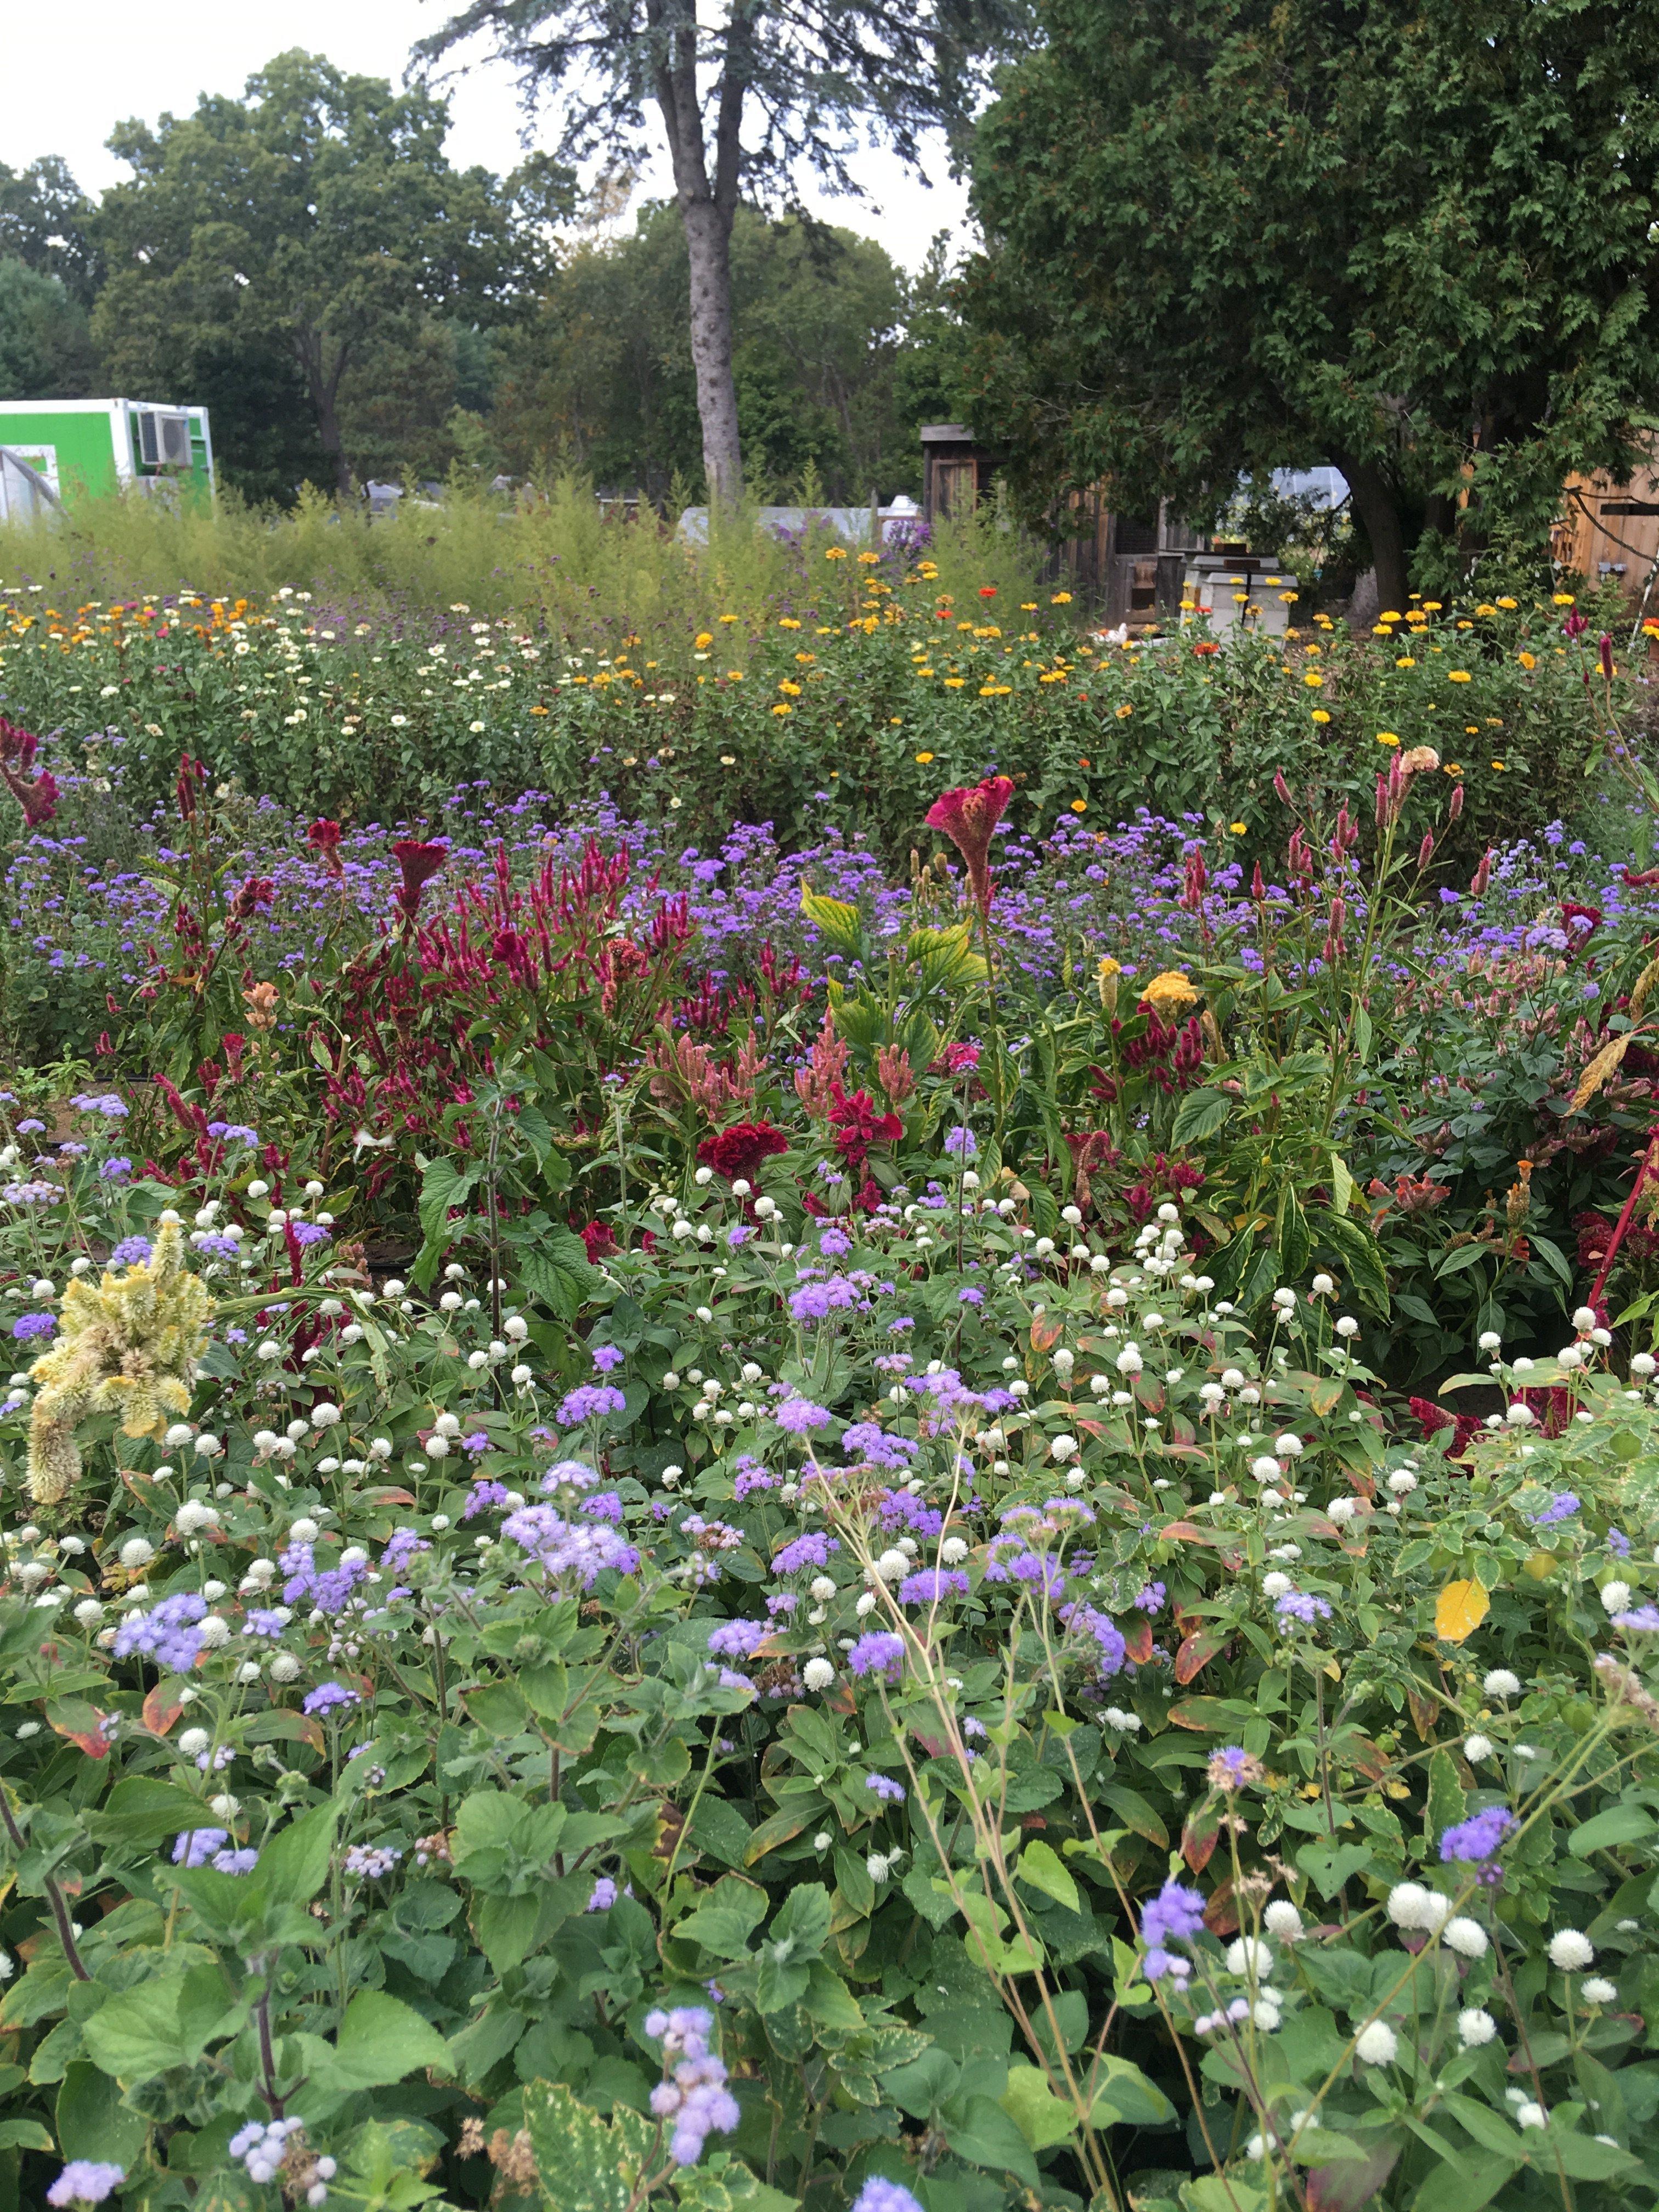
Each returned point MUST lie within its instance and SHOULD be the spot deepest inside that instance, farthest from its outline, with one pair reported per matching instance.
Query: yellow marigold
(728, 618)
(1126, 709)
(1169, 991)
(1060, 599)
(955, 683)
(1527, 660)
(734, 676)
(1458, 676)
(1564, 599)
(1387, 738)
(1236, 828)
(1499, 765)
(788, 622)
(783, 710)
(1322, 714)
(924, 758)
(1391, 613)
(1313, 679)
(835, 552)
(128, 1346)
(868, 560)
(1509, 606)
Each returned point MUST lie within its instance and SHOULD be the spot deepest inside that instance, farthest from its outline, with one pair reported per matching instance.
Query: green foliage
(46, 347)
(1413, 243)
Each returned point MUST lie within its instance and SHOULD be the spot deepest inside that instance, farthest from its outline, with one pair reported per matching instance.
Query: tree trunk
(708, 248)
(323, 391)
(707, 209)
(1374, 504)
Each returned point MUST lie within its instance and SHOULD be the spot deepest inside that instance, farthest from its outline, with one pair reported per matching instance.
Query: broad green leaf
(294, 1866)
(1604, 1832)
(586, 2164)
(1123, 2092)
(91, 2120)
(1042, 2117)
(136, 2034)
(724, 1918)
(380, 2039)
(1042, 1869)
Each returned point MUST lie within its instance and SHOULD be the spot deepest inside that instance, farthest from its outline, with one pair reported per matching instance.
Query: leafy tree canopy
(301, 228)
(47, 221)
(1413, 240)
(46, 347)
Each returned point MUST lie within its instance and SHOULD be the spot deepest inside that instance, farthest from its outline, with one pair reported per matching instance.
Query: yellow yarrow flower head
(1168, 993)
(128, 1346)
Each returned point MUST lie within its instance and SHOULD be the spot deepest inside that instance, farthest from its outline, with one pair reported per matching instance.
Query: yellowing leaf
(1604, 1065)
(1459, 1611)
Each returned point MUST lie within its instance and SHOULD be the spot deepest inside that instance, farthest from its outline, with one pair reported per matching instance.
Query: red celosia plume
(969, 817)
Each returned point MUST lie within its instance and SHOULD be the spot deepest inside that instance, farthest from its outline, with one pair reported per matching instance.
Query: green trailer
(53, 452)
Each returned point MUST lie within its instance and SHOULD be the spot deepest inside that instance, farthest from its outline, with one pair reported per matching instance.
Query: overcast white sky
(98, 62)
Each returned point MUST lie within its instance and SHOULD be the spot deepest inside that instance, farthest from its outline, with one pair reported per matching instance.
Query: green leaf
(1123, 2092)
(24, 2135)
(443, 1186)
(708, 2188)
(1605, 1832)
(144, 1809)
(1041, 1867)
(1327, 1866)
(1042, 2117)
(92, 2121)
(294, 1866)
(836, 921)
(136, 2034)
(1202, 1112)
(986, 2136)
(380, 2039)
(724, 1918)
(555, 1270)
(586, 2164)
(803, 1925)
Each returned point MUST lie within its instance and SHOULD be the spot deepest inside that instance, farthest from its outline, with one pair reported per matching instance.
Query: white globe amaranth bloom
(1615, 1597)
(215, 1632)
(1265, 1469)
(1597, 1990)
(1412, 1906)
(1289, 1446)
(1499, 1682)
(1376, 2043)
(1249, 1955)
(325, 1414)
(1570, 1951)
(1477, 1747)
(1063, 1448)
(1282, 1919)
(137, 1552)
(817, 1673)
(1530, 2114)
(1465, 1937)
(1475, 2026)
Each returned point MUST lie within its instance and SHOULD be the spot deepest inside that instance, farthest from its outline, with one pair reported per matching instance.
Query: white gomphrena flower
(1615, 1597)
(137, 1552)
(1409, 1905)
(325, 1414)
(1530, 2114)
(1643, 1365)
(1282, 1919)
(1596, 1989)
(1249, 1955)
(1284, 1298)
(1321, 1286)
(1265, 1469)
(303, 1531)
(1519, 1416)
(1570, 1950)
(1288, 1446)
(1063, 1448)
(1583, 1319)
(1465, 1937)
(817, 1673)
(1376, 2043)
(1346, 1325)
(1490, 1340)
(1402, 1481)
(1475, 2026)
(1477, 1747)
(1501, 1683)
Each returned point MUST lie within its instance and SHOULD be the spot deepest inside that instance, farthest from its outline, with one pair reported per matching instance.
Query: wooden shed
(1609, 532)
(1126, 569)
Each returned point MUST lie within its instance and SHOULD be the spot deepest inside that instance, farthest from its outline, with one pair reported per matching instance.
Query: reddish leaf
(159, 1717)
(1221, 1914)
(1138, 1641)
(1424, 1711)
(390, 1497)
(1197, 1650)
(1045, 1334)
(1198, 1841)
(94, 1745)
(1188, 1531)
(1348, 2182)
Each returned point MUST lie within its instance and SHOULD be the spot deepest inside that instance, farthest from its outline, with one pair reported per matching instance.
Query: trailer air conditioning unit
(163, 437)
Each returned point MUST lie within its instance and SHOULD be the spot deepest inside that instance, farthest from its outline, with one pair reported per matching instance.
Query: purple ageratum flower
(85, 2180)
(834, 1243)
(1619, 1543)
(605, 1357)
(1641, 1618)
(1561, 1507)
(242, 1862)
(584, 1549)
(307, 1233)
(970, 1296)
(478, 1442)
(589, 1401)
(266, 1620)
(1477, 1840)
(602, 1896)
(817, 1301)
(167, 1633)
(867, 1441)
(31, 1127)
(739, 1639)
(1175, 1915)
(878, 2194)
(884, 1788)
(1151, 1600)
(1303, 1605)
(32, 1324)
(811, 1550)
(962, 1143)
(1107, 1636)
(880, 1652)
(482, 1497)
(331, 1698)
(196, 1845)
(114, 1170)
(131, 1252)
(799, 1417)
(933, 1585)
(233, 1132)
(1232, 1767)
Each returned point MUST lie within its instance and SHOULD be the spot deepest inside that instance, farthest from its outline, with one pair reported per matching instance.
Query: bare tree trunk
(707, 207)
(1374, 504)
(708, 248)
(324, 390)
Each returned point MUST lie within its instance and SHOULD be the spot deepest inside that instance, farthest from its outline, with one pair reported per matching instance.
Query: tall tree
(810, 74)
(47, 221)
(311, 221)
(1409, 237)
(46, 347)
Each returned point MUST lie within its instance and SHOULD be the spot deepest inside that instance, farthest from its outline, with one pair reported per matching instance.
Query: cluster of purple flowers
(1175, 1915)
(307, 1233)
(233, 1132)
(115, 1169)
(102, 1102)
(933, 1585)
(1477, 1840)
(1303, 1605)
(483, 1495)
(85, 2180)
(878, 1652)
(33, 1325)
(882, 1788)
(589, 1401)
(799, 1417)
(131, 1252)
(200, 1847)
(1105, 1633)
(602, 1896)
(370, 1862)
(811, 1550)
(1641, 1617)
(607, 1357)
(1561, 1507)
(739, 1639)
(817, 1301)
(693, 2096)
(867, 1441)
(167, 1633)
(747, 1475)
(584, 1549)
(331, 1698)
(329, 1588)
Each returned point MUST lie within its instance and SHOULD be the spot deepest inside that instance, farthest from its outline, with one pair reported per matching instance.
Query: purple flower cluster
(200, 1847)
(483, 1495)
(1303, 1605)
(602, 1896)
(1477, 1840)
(1562, 1507)
(589, 1401)
(811, 1550)
(331, 1698)
(799, 1417)
(167, 1633)
(131, 1252)
(33, 1325)
(693, 2096)
(869, 1442)
(739, 1639)
(933, 1585)
(880, 1652)
(817, 1301)
(85, 2180)
(370, 1862)
(1175, 1915)
(1108, 1638)
(584, 1549)
(605, 1357)
(884, 1789)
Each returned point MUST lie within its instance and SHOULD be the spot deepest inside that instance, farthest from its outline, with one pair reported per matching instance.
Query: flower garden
(848, 1406)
